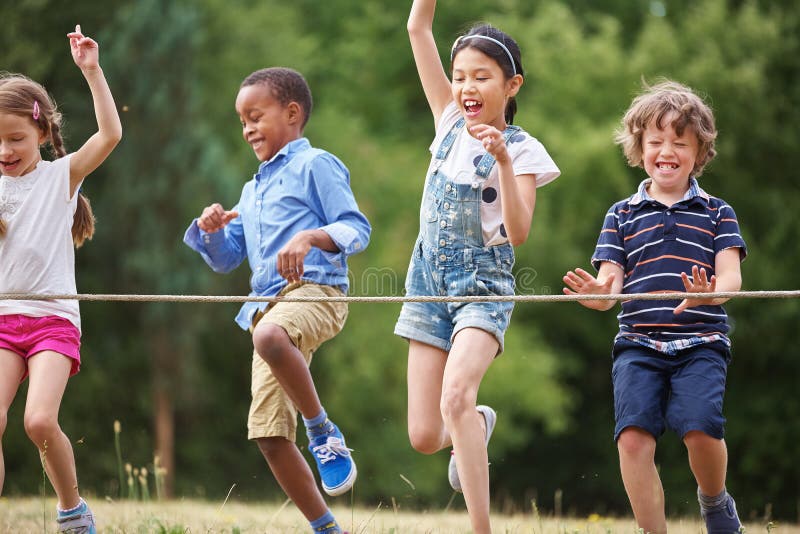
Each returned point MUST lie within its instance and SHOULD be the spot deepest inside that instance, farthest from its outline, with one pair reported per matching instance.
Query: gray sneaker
(490, 417)
(79, 523)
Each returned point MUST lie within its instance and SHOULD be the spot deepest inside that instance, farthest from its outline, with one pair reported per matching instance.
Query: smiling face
(669, 157)
(19, 144)
(480, 88)
(267, 125)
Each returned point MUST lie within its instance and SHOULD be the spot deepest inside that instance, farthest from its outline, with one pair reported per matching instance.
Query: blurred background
(176, 376)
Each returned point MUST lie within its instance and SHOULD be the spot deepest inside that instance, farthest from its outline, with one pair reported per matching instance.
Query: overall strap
(487, 161)
(449, 139)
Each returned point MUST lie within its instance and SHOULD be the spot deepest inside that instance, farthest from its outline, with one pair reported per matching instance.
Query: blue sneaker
(723, 519)
(490, 417)
(81, 521)
(334, 463)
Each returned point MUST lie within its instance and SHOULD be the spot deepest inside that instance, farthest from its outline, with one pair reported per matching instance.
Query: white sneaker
(490, 417)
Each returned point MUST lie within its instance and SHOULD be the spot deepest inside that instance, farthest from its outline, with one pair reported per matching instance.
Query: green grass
(24, 515)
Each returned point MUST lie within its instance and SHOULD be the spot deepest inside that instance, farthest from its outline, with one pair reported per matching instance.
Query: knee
(271, 448)
(271, 343)
(456, 403)
(40, 428)
(695, 439)
(424, 440)
(636, 443)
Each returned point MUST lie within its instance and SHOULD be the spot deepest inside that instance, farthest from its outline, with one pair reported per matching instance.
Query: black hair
(509, 66)
(287, 85)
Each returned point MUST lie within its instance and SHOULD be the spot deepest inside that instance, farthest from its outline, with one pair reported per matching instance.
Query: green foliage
(176, 68)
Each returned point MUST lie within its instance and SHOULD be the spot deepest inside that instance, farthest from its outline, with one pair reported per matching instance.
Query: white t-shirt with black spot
(528, 156)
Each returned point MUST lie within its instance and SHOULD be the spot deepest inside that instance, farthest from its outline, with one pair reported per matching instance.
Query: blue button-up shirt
(300, 188)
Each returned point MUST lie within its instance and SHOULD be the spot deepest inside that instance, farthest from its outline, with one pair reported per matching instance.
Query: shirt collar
(694, 193)
(287, 150)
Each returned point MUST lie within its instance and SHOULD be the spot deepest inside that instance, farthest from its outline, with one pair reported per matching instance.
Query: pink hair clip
(35, 110)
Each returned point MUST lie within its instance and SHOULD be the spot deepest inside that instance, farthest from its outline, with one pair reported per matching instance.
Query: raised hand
(85, 50)
(214, 218)
(698, 283)
(581, 282)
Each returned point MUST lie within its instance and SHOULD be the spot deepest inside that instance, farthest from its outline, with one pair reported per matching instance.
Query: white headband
(486, 37)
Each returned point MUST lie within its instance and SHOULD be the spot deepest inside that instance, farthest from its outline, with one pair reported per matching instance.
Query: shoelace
(330, 449)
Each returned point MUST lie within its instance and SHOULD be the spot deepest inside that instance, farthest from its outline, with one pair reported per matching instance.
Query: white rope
(464, 298)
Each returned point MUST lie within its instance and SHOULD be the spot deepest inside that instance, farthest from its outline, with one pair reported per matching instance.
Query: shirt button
(443, 224)
(442, 242)
(447, 205)
(448, 187)
(442, 257)
(474, 185)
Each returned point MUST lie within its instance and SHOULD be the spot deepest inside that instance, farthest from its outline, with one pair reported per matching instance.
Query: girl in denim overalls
(478, 203)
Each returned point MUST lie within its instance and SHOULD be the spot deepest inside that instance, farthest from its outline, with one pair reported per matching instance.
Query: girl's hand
(699, 283)
(85, 50)
(214, 218)
(492, 140)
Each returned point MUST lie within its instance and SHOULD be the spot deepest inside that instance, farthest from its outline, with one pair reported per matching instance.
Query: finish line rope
(465, 298)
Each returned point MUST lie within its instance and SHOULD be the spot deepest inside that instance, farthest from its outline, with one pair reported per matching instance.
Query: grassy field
(31, 515)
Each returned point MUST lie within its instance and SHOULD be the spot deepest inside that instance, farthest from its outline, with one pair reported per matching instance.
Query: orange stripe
(696, 228)
(609, 230)
(728, 220)
(690, 260)
(643, 231)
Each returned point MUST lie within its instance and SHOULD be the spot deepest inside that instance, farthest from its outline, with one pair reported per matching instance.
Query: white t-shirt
(37, 254)
(528, 156)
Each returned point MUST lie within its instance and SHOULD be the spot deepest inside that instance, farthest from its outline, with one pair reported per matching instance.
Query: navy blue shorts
(653, 391)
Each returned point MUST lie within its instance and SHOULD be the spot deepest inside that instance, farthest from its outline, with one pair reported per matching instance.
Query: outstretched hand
(698, 283)
(85, 50)
(581, 282)
(214, 218)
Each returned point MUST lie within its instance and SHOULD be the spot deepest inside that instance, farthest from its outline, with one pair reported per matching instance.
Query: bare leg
(637, 450)
(708, 459)
(294, 476)
(426, 429)
(289, 366)
(12, 367)
(472, 352)
(49, 372)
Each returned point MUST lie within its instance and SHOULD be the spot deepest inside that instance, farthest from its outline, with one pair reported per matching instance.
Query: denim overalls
(450, 259)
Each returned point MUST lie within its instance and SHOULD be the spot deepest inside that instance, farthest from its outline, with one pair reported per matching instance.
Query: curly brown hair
(654, 104)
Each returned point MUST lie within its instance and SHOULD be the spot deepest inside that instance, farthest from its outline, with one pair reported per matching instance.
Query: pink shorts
(30, 335)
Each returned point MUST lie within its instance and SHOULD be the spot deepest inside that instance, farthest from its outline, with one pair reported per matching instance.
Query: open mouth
(472, 107)
(9, 165)
(666, 166)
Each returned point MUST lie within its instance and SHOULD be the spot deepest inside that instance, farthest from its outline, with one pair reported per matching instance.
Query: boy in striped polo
(669, 358)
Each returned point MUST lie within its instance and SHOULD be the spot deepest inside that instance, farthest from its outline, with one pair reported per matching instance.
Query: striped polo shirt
(654, 244)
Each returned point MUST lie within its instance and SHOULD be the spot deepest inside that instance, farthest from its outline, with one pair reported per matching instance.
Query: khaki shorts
(309, 324)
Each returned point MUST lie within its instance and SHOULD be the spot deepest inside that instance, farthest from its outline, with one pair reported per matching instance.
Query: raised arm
(608, 281)
(728, 278)
(85, 53)
(434, 80)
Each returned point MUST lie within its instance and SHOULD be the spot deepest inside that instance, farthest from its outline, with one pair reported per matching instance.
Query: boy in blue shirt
(670, 358)
(296, 223)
